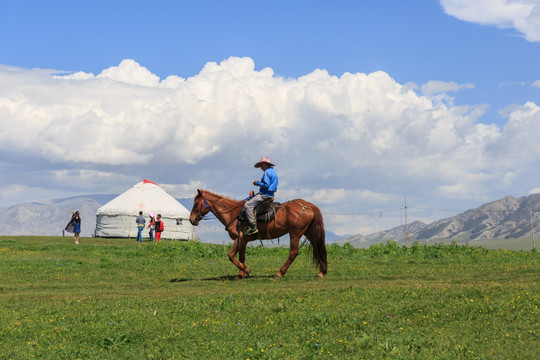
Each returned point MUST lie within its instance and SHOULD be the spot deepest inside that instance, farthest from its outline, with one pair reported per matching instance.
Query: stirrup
(250, 231)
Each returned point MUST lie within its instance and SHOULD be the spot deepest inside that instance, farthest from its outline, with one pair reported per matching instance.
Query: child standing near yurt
(152, 226)
(159, 228)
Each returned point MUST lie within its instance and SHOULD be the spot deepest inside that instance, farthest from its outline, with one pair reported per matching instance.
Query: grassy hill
(117, 299)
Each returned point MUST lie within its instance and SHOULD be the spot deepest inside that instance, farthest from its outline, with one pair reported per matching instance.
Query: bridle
(204, 203)
(205, 206)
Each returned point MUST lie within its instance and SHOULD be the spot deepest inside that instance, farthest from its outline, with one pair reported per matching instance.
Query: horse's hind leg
(295, 240)
(239, 246)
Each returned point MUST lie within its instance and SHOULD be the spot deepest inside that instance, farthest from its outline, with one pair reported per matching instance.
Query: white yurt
(117, 217)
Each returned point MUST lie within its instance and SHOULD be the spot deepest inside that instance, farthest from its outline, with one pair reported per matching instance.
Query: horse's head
(200, 208)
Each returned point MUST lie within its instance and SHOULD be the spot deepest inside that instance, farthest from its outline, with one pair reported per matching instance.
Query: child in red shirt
(159, 228)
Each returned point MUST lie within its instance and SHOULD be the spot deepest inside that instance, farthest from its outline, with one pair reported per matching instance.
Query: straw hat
(264, 160)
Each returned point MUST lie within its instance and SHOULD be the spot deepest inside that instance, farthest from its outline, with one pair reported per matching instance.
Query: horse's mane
(225, 197)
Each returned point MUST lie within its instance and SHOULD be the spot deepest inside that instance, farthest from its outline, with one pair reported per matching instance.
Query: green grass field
(117, 299)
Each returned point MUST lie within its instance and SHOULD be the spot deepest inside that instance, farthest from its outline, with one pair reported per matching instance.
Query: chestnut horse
(296, 217)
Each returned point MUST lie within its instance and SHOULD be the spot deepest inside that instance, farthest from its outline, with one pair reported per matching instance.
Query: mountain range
(508, 218)
(51, 217)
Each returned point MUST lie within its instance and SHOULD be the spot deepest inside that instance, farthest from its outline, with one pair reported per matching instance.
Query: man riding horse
(267, 187)
(296, 218)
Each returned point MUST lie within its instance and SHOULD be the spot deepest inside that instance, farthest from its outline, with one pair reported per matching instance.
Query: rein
(207, 206)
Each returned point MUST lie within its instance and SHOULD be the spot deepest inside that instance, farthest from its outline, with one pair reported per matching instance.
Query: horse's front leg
(239, 246)
(242, 257)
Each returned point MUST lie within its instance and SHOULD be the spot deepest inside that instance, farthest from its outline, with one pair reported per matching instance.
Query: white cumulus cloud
(522, 15)
(130, 72)
(436, 87)
(349, 141)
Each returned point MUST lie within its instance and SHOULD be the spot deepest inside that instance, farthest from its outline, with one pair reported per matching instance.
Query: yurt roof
(145, 196)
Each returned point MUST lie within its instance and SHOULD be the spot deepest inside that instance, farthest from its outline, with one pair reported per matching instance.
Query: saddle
(265, 211)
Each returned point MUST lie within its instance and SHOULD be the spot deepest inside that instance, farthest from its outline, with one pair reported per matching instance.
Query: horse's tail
(316, 235)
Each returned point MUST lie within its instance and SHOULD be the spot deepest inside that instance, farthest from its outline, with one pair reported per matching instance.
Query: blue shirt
(269, 182)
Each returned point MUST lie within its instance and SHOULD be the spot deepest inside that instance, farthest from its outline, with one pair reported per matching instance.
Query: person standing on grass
(140, 221)
(159, 228)
(74, 226)
(152, 227)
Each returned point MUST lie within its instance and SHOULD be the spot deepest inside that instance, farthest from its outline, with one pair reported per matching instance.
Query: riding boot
(251, 229)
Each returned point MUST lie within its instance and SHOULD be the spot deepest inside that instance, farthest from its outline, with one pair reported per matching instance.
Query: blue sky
(358, 102)
(414, 41)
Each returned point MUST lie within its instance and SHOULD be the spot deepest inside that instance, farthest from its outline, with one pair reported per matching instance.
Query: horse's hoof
(247, 271)
(277, 276)
(320, 275)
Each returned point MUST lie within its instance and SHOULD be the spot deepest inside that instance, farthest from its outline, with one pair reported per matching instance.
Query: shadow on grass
(223, 278)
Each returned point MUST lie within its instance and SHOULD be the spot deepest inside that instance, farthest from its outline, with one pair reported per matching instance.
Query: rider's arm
(269, 181)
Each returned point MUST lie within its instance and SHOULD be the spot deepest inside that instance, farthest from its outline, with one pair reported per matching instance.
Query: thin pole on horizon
(406, 226)
(532, 229)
